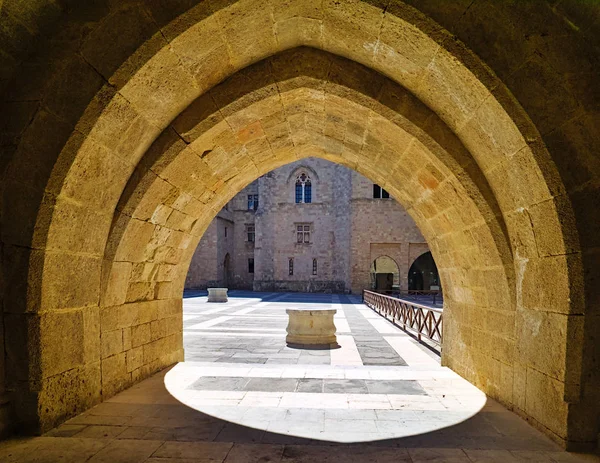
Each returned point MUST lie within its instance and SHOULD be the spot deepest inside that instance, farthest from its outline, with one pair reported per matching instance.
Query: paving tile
(100, 432)
(309, 385)
(263, 414)
(438, 455)
(532, 456)
(210, 451)
(564, 457)
(366, 426)
(107, 420)
(65, 430)
(236, 433)
(396, 415)
(271, 384)
(300, 415)
(215, 383)
(261, 399)
(252, 453)
(116, 409)
(309, 400)
(347, 414)
(490, 456)
(326, 454)
(181, 460)
(52, 449)
(135, 432)
(350, 386)
(394, 387)
(126, 451)
(162, 434)
(196, 434)
(305, 429)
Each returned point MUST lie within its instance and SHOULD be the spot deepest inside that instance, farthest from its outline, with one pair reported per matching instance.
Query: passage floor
(243, 396)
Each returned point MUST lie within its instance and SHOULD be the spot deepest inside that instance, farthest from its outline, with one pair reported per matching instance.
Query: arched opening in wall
(446, 138)
(385, 274)
(423, 274)
(308, 255)
(226, 271)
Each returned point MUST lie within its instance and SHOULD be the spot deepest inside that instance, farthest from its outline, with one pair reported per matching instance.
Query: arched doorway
(423, 274)
(226, 278)
(385, 274)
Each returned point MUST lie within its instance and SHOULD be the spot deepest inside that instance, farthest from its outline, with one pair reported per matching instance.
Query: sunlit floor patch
(381, 384)
(330, 403)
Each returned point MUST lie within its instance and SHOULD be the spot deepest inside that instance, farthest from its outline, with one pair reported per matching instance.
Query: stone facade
(347, 230)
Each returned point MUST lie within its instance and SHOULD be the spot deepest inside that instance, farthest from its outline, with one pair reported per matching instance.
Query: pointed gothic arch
(108, 177)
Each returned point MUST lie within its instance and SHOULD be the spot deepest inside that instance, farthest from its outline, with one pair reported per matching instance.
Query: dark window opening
(379, 193)
(252, 202)
(291, 266)
(314, 272)
(251, 265)
(250, 230)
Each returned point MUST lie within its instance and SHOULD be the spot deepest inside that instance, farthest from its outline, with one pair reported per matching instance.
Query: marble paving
(243, 396)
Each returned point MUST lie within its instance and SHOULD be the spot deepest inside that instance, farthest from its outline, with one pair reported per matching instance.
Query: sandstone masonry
(265, 240)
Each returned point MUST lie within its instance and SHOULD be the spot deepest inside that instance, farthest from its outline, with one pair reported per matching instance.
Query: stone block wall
(242, 248)
(225, 249)
(207, 269)
(380, 227)
(204, 268)
(278, 221)
(134, 339)
(349, 230)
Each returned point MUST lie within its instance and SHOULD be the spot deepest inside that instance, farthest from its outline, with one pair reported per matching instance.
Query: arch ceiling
(118, 153)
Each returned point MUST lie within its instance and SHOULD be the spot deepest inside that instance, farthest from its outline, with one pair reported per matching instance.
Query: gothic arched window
(303, 189)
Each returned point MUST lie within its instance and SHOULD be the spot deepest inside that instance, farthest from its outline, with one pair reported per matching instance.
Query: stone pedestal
(311, 329)
(217, 294)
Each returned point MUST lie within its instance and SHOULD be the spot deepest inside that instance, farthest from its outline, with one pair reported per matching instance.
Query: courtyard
(243, 396)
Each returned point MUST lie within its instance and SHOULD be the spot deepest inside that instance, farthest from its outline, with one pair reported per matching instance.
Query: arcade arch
(385, 274)
(423, 274)
(161, 148)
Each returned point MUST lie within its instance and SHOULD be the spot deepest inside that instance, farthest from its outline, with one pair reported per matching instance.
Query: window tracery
(303, 189)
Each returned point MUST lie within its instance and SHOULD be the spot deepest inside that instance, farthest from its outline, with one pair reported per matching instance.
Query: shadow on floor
(145, 423)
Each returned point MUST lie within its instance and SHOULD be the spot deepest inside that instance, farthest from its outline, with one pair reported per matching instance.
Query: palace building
(313, 226)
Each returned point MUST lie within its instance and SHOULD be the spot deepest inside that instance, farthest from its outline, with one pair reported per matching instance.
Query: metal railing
(425, 322)
(420, 295)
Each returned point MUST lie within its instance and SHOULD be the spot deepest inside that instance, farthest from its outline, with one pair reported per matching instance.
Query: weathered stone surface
(545, 54)
(217, 294)
(62, 270)
(309, 328)
(112, 343)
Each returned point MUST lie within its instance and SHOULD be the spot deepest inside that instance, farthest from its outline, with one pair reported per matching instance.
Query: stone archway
(385, 274)
(423, 274)
(432, 115)
(227, 271)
